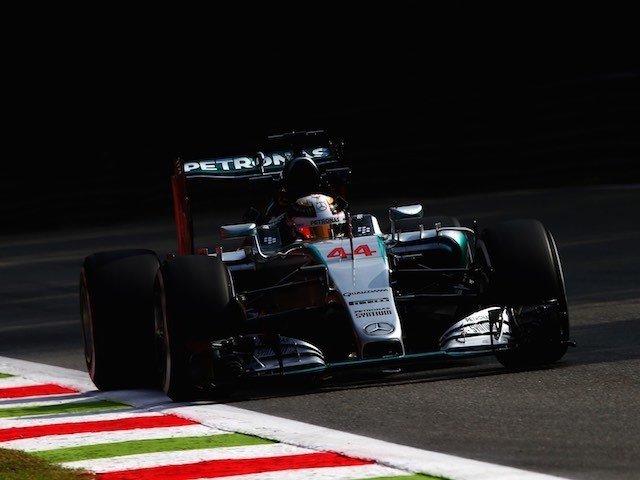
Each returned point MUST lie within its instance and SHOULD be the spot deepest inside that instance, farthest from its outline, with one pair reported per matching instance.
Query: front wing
(256, 356)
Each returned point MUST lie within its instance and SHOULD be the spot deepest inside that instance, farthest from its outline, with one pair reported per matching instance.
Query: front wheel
(194, 304)
(526, 271)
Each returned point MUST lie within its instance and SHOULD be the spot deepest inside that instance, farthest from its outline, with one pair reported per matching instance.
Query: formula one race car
(311, 289)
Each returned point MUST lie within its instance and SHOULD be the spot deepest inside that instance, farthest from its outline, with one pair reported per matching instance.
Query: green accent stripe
(133, 447)
(383, 251)
(71, 407)
(5, 375)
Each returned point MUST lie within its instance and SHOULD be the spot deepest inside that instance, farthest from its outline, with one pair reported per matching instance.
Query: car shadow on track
(439, 371)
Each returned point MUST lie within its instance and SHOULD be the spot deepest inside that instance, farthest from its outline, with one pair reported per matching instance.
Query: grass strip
(17, 465)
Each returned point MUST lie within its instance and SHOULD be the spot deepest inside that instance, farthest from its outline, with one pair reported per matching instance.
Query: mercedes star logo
(379, 328)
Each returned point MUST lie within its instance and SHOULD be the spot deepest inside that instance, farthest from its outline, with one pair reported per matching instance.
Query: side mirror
(405, 211)
(239, 230)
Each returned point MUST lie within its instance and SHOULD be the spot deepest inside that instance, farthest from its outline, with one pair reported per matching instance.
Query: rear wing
(262, 163)
(264, 167)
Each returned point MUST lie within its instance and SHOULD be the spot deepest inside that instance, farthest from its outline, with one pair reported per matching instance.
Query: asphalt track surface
(578, 419)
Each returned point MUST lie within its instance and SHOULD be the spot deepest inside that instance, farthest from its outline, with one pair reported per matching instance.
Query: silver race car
(305, 288)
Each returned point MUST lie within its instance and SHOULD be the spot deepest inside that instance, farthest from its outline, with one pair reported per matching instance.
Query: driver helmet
(316, 217)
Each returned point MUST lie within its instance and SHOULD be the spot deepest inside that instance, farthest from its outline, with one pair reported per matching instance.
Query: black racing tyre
(526, 270)
(194, 303)
(116, 312)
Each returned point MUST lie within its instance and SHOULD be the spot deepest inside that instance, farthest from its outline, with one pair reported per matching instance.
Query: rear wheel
(194, 304)
(526, 270)
(116, 311)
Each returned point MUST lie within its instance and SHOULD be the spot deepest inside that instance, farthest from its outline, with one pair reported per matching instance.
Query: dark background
(92, 124)
(96, 114)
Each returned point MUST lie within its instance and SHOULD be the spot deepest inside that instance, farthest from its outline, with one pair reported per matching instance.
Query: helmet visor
(318, 232)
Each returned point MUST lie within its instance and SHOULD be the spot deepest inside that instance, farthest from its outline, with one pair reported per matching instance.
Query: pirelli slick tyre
(526, 270)
(194, 303)
(116, 311)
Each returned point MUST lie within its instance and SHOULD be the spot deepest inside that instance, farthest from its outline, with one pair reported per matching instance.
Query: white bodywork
(359, 270)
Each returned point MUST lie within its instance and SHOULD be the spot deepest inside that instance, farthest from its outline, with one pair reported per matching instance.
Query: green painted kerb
(72, 407)
(133, 447)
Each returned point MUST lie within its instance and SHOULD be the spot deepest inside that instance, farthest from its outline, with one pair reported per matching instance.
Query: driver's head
(316, 217)
(300, 176)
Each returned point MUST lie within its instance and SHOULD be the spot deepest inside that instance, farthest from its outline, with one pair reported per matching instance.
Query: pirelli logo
(373, 312)
(368, 301)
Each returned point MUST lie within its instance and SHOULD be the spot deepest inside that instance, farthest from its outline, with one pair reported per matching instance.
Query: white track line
(326, 473)
(52, 442)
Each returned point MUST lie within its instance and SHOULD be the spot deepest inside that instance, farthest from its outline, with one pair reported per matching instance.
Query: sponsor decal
(364, 292)
(379, 328)
(340, 252)
(324, 221)
(272, 161)
(364, 230)
(477, 328)
(269, 240)
(221, 165)
(321, 205)
(372, 312)
(369, 300)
